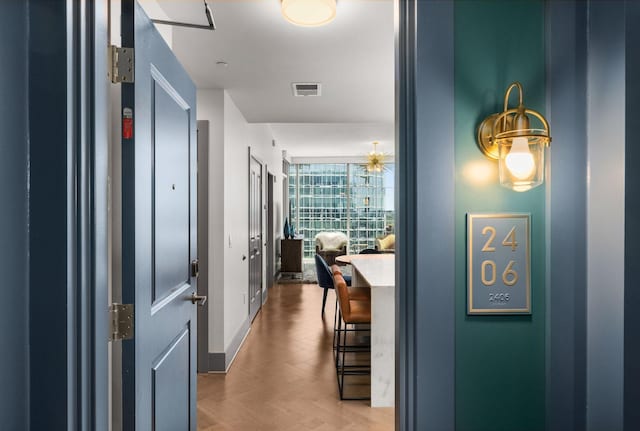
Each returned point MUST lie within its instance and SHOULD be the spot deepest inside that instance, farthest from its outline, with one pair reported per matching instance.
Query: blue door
(159, 232)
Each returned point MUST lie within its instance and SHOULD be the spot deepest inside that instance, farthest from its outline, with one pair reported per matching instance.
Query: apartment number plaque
(498, 264)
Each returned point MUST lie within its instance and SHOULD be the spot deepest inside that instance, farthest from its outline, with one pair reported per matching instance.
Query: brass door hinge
(122, 67)
(120, 322)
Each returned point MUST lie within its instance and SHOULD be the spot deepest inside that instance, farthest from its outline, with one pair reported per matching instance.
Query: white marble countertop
(378, 270)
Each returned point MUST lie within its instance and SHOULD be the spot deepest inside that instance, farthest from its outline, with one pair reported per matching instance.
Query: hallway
(283, 377)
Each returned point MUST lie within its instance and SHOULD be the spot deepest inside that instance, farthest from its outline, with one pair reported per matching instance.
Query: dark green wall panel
(500, 360)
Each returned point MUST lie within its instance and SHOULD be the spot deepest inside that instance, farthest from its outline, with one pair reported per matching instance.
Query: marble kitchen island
(378, 272)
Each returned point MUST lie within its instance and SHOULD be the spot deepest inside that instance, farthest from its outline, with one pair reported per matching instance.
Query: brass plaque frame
(498, 263)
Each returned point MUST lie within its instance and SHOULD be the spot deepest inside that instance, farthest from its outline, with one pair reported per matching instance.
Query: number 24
(508, 241)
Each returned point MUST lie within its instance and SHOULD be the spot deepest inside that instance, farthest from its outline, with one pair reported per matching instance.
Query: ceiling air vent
(306, 88)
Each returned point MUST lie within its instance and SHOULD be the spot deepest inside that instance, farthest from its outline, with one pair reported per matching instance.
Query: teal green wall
(500, 360)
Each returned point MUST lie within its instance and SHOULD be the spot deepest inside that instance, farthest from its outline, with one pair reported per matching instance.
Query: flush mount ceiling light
(509, 138)
(309, 13)
(375, 160)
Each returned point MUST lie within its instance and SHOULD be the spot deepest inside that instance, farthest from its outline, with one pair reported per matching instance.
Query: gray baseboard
(220, 362)
(216, 362)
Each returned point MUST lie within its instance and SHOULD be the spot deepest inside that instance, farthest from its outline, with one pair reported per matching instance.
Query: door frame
(203, 243)
(95, 323)
(425, 299)
(68, 151)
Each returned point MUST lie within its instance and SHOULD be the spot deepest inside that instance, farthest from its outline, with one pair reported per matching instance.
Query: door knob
(198, 299)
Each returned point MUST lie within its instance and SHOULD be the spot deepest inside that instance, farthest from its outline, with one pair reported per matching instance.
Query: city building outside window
(341, 197)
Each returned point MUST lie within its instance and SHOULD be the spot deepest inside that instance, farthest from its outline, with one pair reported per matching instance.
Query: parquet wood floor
(283, 378)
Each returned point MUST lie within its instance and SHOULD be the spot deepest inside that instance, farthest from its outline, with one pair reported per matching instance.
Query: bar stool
(352, 312)
(355, 292)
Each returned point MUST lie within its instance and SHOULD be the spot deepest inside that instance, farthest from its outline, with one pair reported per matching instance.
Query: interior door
(270, 230)
(255, 236)
(158, 232)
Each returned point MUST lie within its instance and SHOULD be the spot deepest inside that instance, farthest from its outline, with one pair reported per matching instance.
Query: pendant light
(375, 160)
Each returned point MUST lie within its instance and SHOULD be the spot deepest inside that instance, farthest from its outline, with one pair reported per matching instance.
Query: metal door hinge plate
(121, 322)
(195, 268)
(122, 64)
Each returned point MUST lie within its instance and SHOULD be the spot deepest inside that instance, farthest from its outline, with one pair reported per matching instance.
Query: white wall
(230, 137)
(152, 9)
(210, 106)
(236, 219)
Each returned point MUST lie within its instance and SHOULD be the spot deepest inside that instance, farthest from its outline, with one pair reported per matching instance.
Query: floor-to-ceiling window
(343, 197)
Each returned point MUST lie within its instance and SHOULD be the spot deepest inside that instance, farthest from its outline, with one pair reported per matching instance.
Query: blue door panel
(171, 193)
(170, 385)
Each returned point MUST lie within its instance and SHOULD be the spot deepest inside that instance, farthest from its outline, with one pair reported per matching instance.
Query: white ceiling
(353, 58)
(334, 139)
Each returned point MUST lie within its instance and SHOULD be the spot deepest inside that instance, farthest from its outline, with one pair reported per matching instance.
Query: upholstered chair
(386, 244)
(329, 245)
(325, 278)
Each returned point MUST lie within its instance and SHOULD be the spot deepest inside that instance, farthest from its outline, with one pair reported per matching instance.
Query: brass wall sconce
(509, 138)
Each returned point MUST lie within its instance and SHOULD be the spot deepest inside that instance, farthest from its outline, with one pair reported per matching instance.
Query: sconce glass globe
(521, 163)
